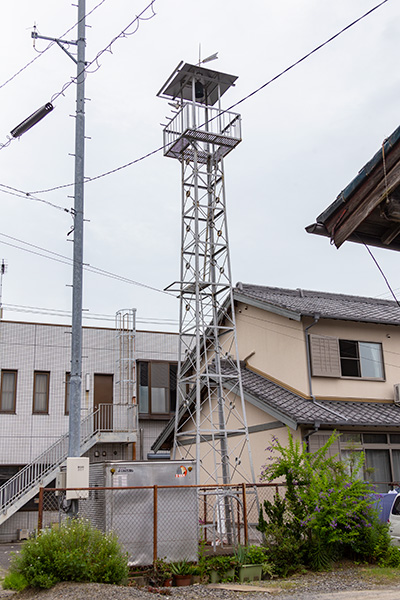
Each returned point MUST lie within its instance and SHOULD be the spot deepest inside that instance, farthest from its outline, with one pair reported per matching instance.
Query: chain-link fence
(166, 521)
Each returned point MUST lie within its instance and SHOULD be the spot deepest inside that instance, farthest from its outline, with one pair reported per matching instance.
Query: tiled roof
(291, 408)
(389, 144)
(327, 305)
(303, 411)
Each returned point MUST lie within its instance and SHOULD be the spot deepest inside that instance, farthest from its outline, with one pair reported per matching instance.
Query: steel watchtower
(210, 423)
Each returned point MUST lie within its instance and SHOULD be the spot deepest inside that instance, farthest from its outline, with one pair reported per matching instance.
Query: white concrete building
(34, 416)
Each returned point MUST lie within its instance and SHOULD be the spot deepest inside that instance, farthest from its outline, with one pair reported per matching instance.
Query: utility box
(77, 477)
(137, 515)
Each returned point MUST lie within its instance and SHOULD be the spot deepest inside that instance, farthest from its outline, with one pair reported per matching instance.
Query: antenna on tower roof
(208, 58)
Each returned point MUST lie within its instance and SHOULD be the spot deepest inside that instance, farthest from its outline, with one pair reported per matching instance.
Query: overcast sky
(305, 137)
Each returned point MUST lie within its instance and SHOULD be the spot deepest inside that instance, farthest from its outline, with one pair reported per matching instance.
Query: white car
(394, 521)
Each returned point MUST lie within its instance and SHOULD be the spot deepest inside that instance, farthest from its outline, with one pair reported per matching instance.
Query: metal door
(103, 399)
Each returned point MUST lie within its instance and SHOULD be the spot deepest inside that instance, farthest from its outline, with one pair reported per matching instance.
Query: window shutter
(317, 440)
(325, 358)
(160, 375)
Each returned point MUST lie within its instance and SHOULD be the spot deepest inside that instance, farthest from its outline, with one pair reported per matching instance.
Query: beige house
(315, 362)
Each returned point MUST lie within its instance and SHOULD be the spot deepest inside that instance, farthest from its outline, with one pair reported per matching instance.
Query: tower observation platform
(195, 91)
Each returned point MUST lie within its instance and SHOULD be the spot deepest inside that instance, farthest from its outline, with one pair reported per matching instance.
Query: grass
(372, 575)
(380, 575)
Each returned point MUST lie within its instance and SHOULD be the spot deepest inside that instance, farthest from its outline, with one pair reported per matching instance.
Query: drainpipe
(316, 319)
(310, 433)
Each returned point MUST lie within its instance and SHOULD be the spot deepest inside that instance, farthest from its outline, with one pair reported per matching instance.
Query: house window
(361, 359)
(331, 357)
(8, 391)
(157, 387)
(41, 382)
(382, 456)
(67, 380)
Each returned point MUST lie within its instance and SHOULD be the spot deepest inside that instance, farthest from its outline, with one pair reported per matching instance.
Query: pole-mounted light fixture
(32, 120)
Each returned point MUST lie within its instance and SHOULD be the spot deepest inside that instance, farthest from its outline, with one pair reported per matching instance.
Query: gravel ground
(300, 587)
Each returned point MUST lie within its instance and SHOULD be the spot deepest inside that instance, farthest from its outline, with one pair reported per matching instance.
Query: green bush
(327, 512)
(391, 558)
(254, 555)
(75, 551)
(221, 564)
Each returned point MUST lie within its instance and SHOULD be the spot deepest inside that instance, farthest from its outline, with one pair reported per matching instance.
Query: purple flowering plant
(326, 504)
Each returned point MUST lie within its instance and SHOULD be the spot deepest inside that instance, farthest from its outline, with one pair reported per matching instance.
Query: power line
(68, 261)
(380, 270)
(47, 48)
(86, 314)
(6, 189)
(123, 34)
(253, 93)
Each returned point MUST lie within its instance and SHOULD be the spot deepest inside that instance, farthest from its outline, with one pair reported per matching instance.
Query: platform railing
(214, 126)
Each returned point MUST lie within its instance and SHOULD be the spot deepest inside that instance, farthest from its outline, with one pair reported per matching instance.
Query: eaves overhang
(268, 306)
(362, 175)
(367, 211)
(273, 412)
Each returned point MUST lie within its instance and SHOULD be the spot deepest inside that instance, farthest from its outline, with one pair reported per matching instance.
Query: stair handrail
(31, 474)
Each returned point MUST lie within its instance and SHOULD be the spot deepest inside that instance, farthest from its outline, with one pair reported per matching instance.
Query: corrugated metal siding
(149, 431)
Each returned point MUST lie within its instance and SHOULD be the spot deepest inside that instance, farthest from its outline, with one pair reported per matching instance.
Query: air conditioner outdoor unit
(23, 534)
(396, 390)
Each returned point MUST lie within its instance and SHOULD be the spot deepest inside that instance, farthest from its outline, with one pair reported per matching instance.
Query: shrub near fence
(167, 521)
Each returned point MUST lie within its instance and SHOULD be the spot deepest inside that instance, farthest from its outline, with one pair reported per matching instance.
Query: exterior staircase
(106, 423)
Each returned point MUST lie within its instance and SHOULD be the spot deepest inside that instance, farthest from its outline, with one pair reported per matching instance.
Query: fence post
(155, 510)
(204, 515)
(40, 510)
(245, 527)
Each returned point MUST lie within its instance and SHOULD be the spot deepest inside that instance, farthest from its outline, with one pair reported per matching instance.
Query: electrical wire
(48, 47)
(379, 269)
(69, 261)
(253, 93)
(6, 189)
(86, 314)
(123, 34)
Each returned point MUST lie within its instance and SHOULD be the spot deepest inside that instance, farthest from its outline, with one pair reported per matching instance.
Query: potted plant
(182, 572)
(162, 573)
(197, 573)
(221, 568)
(250, 561)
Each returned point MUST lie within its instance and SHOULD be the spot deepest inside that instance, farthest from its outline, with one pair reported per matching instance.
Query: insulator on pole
(32, 120)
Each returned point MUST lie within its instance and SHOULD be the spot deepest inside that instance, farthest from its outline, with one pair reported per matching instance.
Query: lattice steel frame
(210, 423)
(125, 326)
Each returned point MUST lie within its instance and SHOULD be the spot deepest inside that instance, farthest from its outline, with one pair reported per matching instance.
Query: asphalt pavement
(377, 594)
(5, 554)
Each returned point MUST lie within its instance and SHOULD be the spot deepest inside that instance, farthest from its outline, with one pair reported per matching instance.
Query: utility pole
(76, 344)
(75, 387)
